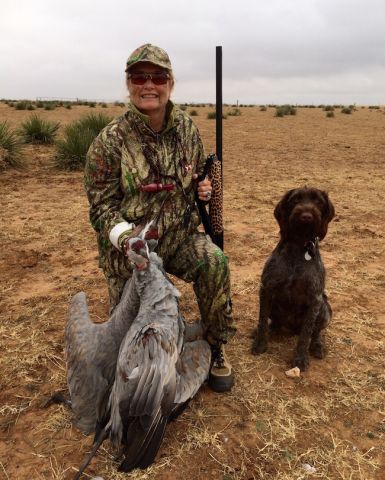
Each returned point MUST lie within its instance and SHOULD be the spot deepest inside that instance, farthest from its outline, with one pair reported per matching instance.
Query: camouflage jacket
(128, 154)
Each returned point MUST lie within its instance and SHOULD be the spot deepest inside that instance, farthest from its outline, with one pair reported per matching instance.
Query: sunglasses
(141, 78)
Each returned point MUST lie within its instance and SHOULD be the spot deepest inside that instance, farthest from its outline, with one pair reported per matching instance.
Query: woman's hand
(204, 189)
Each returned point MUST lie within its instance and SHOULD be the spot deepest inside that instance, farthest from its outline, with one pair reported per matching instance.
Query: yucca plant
(49, 106)
(10, 148)
(36, 130)
(71, 151)
(22, 105)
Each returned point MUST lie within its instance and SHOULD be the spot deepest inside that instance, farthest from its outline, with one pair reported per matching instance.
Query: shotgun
(213, 221)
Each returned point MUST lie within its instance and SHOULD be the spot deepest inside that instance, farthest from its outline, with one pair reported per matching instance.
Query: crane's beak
(138, 253)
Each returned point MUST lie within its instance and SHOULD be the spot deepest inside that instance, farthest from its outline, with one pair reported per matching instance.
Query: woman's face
(149, 98)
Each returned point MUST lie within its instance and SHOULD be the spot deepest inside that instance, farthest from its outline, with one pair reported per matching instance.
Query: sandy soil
(328, 424)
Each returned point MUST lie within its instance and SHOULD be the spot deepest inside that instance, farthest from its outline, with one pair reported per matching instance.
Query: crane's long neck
(126, 310)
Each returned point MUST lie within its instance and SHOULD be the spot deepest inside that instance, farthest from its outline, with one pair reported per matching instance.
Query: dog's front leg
(301, 359)
(262, 332)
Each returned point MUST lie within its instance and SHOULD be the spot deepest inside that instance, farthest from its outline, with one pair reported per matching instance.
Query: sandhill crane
(160, 365)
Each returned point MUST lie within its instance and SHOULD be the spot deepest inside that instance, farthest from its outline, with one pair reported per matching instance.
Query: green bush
(330, 114)
(283, 110)
(346, 110)
(234, 112)
(71, 151)
(193, 113)
(10, 148)
(38, 131)
(49, 106)
(21, 105)
(212, 115)
(329, 108)
(262, 108)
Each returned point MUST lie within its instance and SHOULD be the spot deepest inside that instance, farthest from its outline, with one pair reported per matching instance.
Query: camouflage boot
(221, 377)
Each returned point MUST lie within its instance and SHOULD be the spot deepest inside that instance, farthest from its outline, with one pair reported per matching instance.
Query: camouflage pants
(199, 261)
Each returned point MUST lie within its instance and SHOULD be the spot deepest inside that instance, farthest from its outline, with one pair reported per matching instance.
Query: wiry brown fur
(293, 279)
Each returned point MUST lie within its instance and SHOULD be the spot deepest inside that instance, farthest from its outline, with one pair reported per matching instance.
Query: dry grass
(269, 427)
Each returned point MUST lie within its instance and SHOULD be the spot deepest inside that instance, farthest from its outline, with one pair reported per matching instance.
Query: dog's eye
(294, 200)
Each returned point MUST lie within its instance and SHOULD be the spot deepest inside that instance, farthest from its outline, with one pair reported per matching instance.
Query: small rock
(293, 372)
(309, 468)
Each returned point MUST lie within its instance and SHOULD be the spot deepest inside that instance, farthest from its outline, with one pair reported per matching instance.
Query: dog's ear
(329, 207)
(328, 213)
(281, 212)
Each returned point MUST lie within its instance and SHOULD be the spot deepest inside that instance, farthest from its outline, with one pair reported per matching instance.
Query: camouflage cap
(149, 53)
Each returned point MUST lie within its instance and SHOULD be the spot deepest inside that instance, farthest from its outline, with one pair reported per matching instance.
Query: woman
(156, 146)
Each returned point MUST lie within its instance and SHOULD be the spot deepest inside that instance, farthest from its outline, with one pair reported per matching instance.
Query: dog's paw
(301, 361)
(318, 350)
(258, 347)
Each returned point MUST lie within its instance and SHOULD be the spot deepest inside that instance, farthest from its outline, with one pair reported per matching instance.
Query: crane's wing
(85, 380)
(91, 354)
(143, 393)
(193, 368)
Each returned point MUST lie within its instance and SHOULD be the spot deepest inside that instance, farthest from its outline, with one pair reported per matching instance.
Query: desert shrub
(38, 131)
(283, 110)
(329, 108)
(49, 106)
(212, 115)
(183, 107)
(39, 104)
(346, 110)
(193, 113)
(68, 106)
(103, 105)
(72, 149)
(234, 112)
(374, 107)
(31, 106)
(330, 114)
(92, 104)
(21, 105)
(262, 108)
(10, 148)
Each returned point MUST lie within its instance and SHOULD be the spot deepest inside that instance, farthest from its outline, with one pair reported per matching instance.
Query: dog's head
(304, 213)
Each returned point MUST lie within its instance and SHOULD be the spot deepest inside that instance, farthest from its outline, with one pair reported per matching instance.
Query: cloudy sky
(274, 51)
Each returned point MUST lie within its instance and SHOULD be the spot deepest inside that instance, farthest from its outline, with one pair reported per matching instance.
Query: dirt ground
(328, 424)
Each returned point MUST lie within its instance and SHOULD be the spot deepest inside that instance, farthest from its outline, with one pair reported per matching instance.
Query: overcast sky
(274, 51)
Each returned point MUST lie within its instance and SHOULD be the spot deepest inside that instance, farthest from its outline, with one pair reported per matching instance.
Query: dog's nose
(306, 217)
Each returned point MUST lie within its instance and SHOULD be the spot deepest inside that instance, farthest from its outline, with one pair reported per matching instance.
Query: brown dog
(293, 279)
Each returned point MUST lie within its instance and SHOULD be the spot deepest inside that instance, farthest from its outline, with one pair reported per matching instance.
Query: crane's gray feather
(91, 354)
